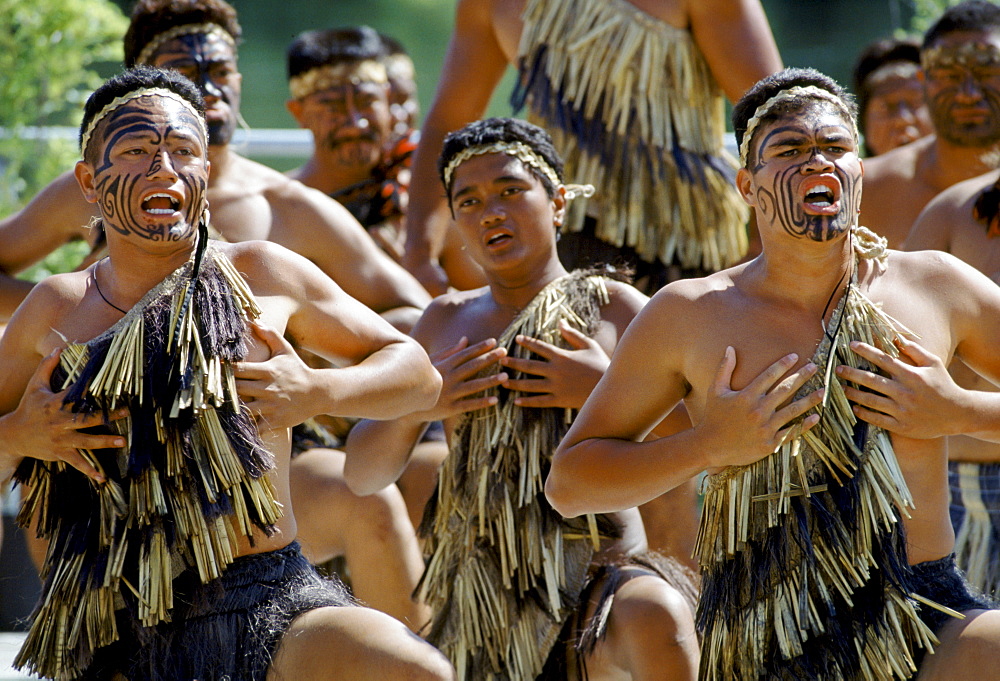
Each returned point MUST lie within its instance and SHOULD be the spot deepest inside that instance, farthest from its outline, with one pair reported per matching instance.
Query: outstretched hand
(42, 428)
(278, 390)
(915, 396)
(743, 426)
(459, 366)
(565, 377)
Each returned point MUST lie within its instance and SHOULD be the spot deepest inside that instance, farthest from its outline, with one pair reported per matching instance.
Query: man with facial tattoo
(960, 59)
(815, 378)
(247, 200)
(166, 506)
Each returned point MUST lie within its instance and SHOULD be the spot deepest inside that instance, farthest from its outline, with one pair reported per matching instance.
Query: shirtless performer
(185, 501)
(248, 200)
(961, 73)
(717, 47)
(817, 416)
(964, 221)
(506, 574)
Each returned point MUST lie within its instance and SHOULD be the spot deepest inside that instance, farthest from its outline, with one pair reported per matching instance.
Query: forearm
(980, 416)
(396, 380)
(425, 230)
(378, 451)
(12, 292)
(603, 475)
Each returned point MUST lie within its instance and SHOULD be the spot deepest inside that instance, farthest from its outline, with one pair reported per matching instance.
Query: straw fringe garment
(804, 570)
(505, 570)
(190, 482)
(633, 107)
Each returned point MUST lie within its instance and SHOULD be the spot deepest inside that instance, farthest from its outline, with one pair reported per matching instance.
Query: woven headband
(791, 93)
(967, 54)
(146, 55)
(136, 94)
(523, 153)
(334, 75)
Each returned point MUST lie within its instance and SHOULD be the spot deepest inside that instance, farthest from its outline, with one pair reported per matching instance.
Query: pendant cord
(101, 293)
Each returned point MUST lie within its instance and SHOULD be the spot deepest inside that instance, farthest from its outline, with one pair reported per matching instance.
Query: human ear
(85, 178)
(744, 184)
(559, 206)
(294, 107)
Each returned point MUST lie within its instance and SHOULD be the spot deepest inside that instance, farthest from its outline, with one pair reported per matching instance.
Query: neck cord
(101, 293)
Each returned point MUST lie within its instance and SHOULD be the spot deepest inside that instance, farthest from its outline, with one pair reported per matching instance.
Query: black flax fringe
(189, 483)
(505, 570)
(633, 109)
(987, 209)
(803, 554)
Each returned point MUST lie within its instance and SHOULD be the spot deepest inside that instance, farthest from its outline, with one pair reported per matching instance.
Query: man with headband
(171, 531)
(815, 377)
(960, 57)
(517, 591)
(249, 201)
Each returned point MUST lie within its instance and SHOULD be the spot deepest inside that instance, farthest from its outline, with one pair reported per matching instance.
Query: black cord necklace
(101, 293)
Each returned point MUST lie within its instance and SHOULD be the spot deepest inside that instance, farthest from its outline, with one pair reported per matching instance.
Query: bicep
(54, 216)
(736, 40)
(978, 324)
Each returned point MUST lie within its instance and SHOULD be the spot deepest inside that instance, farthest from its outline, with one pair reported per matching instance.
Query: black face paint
(209, 62)
(807, 149)
(120, 182)
(963, 92)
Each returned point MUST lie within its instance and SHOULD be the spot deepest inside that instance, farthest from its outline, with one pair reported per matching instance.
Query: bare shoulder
(273, 269)
(624, 303)
(46, 315)
(900, 164)
(449, 317)
(949, 213)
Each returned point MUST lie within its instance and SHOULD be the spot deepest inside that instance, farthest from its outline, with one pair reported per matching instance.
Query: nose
(493, 214)
(208, 88)
(162, 166)
(970, 91)
(817, 162)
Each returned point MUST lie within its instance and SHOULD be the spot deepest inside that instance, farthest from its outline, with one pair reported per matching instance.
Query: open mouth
(498, 238)
(161, 203)
(822, 197)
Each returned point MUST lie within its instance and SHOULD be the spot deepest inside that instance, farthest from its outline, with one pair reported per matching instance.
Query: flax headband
(523, 153)
(146, 56)
(335, 75)
(791, 93)
(136, 94)
(967, 55)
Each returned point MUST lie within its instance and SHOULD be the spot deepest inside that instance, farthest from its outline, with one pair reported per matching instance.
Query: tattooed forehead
(143, 117)
(968, 55)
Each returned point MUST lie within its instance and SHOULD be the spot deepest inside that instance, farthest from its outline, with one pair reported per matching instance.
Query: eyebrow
(503, 179)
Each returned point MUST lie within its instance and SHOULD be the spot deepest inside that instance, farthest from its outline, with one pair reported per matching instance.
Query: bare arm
(737, 42)
(325, 232)
(387, 374)
(473, 66)
(603, 464)
(32, 419)
(932, 229)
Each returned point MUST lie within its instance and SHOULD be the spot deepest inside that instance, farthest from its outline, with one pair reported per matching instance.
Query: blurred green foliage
(926, 12)
(53, 53)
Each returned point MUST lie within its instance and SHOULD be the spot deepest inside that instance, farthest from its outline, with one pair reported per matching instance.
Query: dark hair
(138, 78)
(971, 15)
(872, 58)
(492, 130)
(392, 46)
(768, 87)
(150, 18)
(334, 46)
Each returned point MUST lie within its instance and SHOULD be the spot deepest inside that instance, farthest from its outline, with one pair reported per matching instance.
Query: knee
(381, 515)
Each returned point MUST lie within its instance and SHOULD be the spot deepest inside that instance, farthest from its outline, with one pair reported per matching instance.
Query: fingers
(75, 459)
(724, 376)
(767, 379)
(919, 355)
(539, 347)
(577, 339)
(275, 342)
(793, 411)
(462, 343)
(526, 366)
(43, 372)
(790, 385)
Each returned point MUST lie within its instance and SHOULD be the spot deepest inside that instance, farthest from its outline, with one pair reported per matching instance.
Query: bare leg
(354, 643)
(651, 634)
(969, 649)
(671, 522)
(418, 481)
(373, 533)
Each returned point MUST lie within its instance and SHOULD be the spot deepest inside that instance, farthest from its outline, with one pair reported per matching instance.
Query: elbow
(561, 493)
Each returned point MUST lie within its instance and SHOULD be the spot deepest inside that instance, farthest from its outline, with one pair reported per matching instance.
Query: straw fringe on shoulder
(975, 515)
(190, 482)
(505, 569)
(634, 110)
(804, 569)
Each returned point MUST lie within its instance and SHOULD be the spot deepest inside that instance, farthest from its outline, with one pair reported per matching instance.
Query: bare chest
(241, 216)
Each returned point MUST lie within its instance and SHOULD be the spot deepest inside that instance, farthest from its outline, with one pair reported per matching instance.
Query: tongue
(159, 203)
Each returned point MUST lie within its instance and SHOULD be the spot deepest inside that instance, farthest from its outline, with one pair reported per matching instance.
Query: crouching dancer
(518, 592)
(815, 377)
(171, 537)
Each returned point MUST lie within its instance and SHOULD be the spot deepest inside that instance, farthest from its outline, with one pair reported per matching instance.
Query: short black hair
(768, 87)
(971, 15)
(873, 57)
(311, 49)
(493, 130)
(138, 78)
(150, 18)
